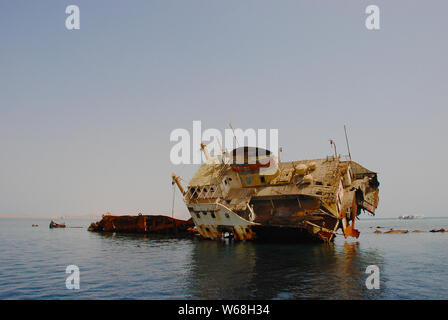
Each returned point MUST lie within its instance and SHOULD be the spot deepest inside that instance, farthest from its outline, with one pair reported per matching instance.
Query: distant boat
(411, 216)
(56, 225)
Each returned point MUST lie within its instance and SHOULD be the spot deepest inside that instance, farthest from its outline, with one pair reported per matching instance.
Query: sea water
(33, 262)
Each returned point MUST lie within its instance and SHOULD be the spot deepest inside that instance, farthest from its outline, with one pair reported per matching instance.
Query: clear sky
(86, 115)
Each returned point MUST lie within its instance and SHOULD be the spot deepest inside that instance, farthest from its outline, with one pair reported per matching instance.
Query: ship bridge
(254, 166)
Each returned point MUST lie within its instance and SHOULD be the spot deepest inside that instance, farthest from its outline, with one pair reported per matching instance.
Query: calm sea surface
(33, 262)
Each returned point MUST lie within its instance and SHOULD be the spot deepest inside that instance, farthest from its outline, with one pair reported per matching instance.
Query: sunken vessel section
(248, 194)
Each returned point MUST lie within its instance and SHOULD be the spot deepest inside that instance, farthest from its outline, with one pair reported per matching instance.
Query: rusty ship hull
(245, 196)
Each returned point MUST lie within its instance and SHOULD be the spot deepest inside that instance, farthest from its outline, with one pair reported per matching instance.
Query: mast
(348, 146)
(332, 143)
(177, 181)
(204, 149)
(237, 142)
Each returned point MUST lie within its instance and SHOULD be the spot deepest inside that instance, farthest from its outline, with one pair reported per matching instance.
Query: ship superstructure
(247, 194)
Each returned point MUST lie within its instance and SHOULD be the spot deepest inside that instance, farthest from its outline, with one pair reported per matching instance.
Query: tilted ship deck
(248, 194)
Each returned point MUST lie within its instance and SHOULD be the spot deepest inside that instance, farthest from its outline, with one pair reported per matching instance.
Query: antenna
(346, 140)
(230, 125)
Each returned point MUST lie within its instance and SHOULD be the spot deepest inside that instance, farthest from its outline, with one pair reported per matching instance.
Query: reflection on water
(243, 270)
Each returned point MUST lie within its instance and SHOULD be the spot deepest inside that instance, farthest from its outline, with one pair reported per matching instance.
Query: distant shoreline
(47, 218)
(99, 217)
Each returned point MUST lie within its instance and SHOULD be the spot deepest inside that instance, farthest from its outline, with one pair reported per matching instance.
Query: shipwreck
(248, 194)
(55, 225)
(144, 224)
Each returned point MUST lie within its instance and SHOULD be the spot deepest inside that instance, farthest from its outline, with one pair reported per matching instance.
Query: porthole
(198, 215)
(213, 215)
(227, 215)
